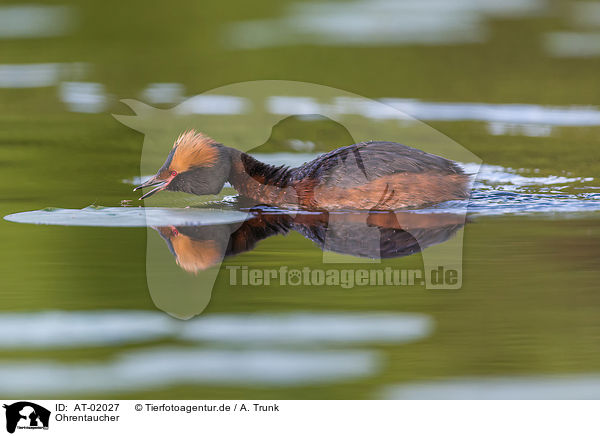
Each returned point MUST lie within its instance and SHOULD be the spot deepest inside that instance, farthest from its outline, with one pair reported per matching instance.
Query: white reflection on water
(167, 366)
(499, 191)
(163, 93)
(214, 105)
(86, 97)
(534, 130)
(565, 387)
(521, 114)
(512, 119)
(35, 21)
(573, 44)
(494, 175)
(379, 22)
(586, 13)
(249, 363)
(128, 216)
(309, 328)
(301, 146)
(505, 113)
(74, 329)
(583, 39)
(38, 75)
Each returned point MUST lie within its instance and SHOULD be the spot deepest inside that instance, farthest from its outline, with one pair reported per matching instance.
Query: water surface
(514, 83)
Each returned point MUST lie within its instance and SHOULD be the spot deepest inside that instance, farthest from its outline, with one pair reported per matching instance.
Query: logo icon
(26, 415)
(254, 111)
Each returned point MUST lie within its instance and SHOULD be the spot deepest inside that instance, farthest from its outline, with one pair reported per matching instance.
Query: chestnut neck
(259, 181)
(244, 167)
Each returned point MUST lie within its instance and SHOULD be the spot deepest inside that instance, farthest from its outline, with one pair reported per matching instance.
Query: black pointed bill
(158, 184)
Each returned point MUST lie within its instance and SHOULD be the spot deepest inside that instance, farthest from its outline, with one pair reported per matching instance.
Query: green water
(529, 304)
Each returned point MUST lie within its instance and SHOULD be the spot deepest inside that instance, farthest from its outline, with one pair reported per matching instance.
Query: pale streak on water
(161, 367)
(35, 21)
(378, 22)
(243, 349)
(564, 387)
(74, 329)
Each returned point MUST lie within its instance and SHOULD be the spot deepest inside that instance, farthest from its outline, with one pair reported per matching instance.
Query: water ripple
(167, 366)
(72, 329)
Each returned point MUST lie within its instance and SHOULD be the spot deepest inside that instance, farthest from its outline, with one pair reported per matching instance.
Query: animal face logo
(26, 415)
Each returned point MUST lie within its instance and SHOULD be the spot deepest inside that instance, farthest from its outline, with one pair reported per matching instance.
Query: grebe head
(195, 250)
(196, 164)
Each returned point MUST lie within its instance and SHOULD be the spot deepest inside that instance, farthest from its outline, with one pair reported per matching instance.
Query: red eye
(175, 232)
(173, 173)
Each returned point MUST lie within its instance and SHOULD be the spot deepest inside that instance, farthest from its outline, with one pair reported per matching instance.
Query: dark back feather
(366, 161)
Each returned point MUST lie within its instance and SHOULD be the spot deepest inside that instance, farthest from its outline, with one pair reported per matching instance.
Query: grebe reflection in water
(372, 235)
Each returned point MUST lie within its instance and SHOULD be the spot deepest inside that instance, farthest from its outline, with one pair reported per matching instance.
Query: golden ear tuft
(193, 149)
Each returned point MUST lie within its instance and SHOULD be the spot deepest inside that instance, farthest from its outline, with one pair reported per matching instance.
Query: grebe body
(373, 175)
